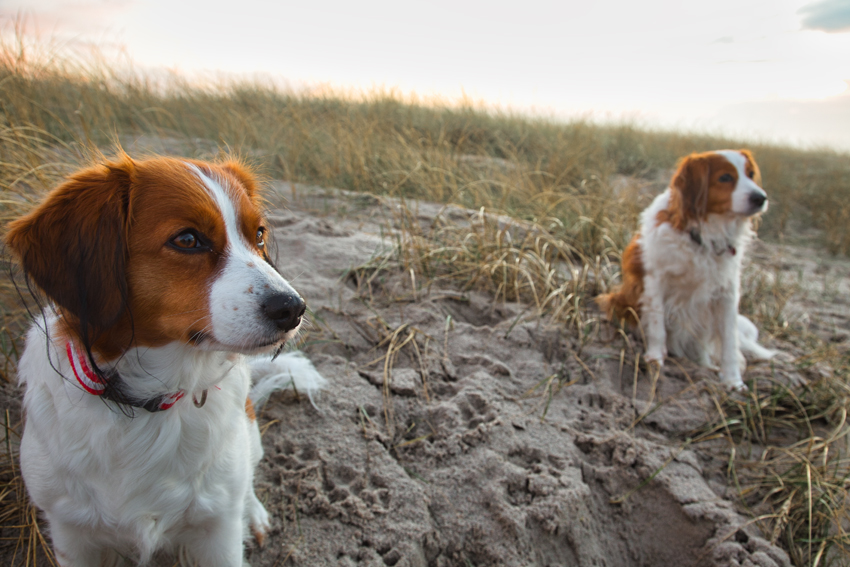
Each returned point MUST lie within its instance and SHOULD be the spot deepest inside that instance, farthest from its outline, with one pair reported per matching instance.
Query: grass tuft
(789, 462)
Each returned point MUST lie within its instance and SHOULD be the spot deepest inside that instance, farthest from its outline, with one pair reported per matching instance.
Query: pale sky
(764, 69)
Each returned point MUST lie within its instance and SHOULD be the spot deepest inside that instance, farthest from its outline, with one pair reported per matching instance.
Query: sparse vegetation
(557, 203)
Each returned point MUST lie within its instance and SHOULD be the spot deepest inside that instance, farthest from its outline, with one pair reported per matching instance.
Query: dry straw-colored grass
(788, 459)
(787, 447)
(552, 205)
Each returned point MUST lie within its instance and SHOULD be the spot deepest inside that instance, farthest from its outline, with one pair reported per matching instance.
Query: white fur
(115, 487)
(691, 292)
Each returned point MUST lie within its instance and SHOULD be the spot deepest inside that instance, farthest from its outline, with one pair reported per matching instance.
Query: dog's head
(146, 253)
(725, 182)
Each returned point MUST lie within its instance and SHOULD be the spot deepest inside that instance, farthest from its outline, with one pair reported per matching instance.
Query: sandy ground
(449, 455)
(452, 454)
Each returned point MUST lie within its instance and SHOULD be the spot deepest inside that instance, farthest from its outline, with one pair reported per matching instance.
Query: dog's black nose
(757, 200)
(285, 310)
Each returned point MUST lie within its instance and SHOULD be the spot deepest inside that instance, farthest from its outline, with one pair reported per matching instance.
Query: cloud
(826, 15)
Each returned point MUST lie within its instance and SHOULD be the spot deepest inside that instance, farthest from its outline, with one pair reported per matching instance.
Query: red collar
(96, 386)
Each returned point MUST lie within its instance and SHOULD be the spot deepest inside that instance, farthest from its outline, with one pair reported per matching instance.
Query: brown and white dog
(682, 272)
(140, 433)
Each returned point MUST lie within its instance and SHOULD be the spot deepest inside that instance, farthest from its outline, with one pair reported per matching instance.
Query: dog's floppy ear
(73, 245)
(690, 185)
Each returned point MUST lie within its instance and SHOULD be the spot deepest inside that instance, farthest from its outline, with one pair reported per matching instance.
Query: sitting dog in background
(140, 434)
(682, 272)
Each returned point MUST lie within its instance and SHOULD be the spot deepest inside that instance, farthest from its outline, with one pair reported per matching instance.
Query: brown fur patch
(696, 189)
(72, 246)
(249, 410)
(259, 536)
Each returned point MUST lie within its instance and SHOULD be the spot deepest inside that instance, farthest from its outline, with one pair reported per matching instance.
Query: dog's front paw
(655, 354)
(733, 381)
(258, 520)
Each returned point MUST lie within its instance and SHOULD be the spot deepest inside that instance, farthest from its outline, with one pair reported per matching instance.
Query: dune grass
(556, 202)
(378, 142)
(786, 447)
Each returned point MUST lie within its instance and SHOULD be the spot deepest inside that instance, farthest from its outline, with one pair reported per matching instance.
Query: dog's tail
(619, 305)
(623, 302)
(605, 303)
(748, 337)
(290, 370)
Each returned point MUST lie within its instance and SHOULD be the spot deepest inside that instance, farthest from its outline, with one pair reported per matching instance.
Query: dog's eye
(751, 174)
(726, 178)
(261, 240)
(187, 240)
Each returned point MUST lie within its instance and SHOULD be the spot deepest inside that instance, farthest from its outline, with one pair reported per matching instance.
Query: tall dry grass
(556, 202)
(379, 142)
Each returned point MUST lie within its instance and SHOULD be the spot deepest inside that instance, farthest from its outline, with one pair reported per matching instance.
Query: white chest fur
(152, 481)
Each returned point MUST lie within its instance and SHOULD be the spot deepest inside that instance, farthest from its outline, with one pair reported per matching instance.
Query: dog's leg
(257, 519)
(290, 370)
(730, 370)
(652, 304)
(219, 544)
(72, 546)
(703, 350)
(708, 327)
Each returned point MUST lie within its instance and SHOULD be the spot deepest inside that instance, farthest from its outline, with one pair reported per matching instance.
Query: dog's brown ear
(751, 163)
(73, 245)
(690, 190)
